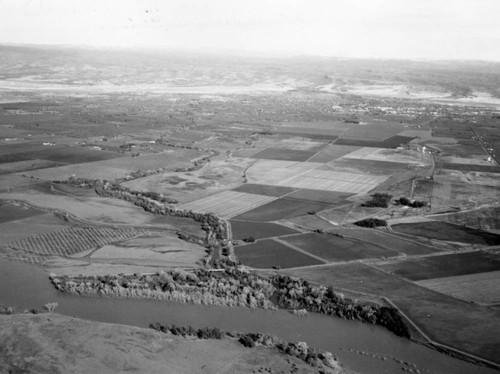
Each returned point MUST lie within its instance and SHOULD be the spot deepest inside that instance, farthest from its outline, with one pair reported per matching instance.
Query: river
(378, 350)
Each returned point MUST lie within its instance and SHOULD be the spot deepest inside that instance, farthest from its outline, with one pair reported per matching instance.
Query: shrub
(247, 341)
(379, 200)
(249, 239)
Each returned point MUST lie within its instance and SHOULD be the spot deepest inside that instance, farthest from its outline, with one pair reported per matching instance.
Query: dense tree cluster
(371, 222)
(234, 287)
(412, 203)
(230, 287)
(379, 200)
(295, 293)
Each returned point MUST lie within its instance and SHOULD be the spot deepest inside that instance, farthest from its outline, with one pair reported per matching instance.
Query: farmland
(445, 265)
(256, 164)
(447, 231)
(334, 249)
(268, 253)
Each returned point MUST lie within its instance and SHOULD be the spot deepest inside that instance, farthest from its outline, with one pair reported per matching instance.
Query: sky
(421, 29)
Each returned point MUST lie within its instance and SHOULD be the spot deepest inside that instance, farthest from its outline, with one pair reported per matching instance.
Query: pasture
(479, 287)
(69, 155)
(335, 249)
(13, 212)
(153, 248)
(268, 253)
(11, 181)
(170, 159)
(19, 166)
(84, 170)
(448, 265)
(39, 224)
(447, 232)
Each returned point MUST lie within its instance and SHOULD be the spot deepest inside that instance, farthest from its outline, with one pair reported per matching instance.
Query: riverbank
(234, 287)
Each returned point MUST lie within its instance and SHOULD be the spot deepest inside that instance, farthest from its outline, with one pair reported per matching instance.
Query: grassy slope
(51, 343)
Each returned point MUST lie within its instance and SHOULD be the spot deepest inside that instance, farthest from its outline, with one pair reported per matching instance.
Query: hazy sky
(451, 29)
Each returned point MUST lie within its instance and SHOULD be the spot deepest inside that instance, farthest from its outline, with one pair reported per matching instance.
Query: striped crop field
(228, 204)
(422, 189)
(274, 171)
(71, 240)
(328, 180)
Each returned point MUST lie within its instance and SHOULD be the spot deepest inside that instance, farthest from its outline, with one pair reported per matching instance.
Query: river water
(361, 347)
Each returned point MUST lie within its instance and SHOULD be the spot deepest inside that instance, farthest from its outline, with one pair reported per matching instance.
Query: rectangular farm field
(318, 196)
(385, 240)
(371, 167)
(376, 131)
(282, 209)
(468, 167)
(334, 248)
(447, 232)
(258, 230)
(333, 152)
(264, 189)
(268, 253)
(480, 288)
(311, 135)
(392, 142)
(444, 266)
(284, 154)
